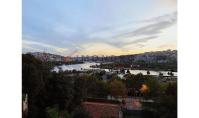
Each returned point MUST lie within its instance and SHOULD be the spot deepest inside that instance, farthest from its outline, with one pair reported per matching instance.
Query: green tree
(34, 78)
(46, 89)
(165, 106)
(80, 112)
(93, 87)
(153, 86)
(54, 112)
(148, 72)
(117, 88)
(60, 89)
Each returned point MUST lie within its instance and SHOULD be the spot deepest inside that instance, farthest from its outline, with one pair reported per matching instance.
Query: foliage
(46, 89)
(93, 87)
(170, 65)
(165, 106)
(53, 95)
(153, 85)
(52, 112)
(34, 78)
(79, 112)
(117, 88)
(60, 90)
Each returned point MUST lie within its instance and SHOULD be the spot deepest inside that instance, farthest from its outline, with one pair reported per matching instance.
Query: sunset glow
(99, 27)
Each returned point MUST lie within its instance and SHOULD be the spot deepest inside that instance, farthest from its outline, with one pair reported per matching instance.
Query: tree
(34, 78)
(45, 89)
(140, 79)
(170, 73)
(79, 112)
(148, 72)
(171, 89)
(54, 112)
(117, 88)
(101, 89)
(165, 106)
(60, 89)
(127, 71)
(144, 88)
(130, 81)
(122, 71)
(94, 87)
(153, 87)
(134, 83)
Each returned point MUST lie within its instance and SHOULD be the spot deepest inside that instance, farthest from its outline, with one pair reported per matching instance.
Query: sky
(98, 27)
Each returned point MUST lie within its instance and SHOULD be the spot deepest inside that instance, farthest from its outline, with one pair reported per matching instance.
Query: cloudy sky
(98, 27)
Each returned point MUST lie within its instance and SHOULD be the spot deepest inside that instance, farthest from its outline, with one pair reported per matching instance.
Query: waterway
(87, 66)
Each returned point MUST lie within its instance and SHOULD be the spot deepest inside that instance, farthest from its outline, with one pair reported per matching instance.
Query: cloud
(166, 46)
(159, 23)
(135, 42)
(151, 29)
(167, 2)
(136, 28)
(167, 17)
(111, 39)
(99, 48)
(143, 39)
(38, 46)
(63, 30)
(28, 48)
(130, 36)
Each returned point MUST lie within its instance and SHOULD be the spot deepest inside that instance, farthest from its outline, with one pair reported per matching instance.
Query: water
(86, 66)
(78, 67)
(144, 72)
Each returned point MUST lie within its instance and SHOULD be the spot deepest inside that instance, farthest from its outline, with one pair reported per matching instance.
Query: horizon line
(101, 55)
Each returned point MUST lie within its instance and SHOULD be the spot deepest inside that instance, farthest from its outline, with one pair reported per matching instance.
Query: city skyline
(149, 52)
(99, 27)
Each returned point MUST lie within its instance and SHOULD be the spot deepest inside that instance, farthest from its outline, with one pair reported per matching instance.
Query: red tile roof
(99, 110)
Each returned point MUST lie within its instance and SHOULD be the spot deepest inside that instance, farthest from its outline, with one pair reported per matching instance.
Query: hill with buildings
(168, 56)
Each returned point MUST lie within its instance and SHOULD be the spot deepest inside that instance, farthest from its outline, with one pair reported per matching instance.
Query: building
(68, 59)
(100, 109)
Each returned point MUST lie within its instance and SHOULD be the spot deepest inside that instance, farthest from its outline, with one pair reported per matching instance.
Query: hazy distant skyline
(98, 27)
